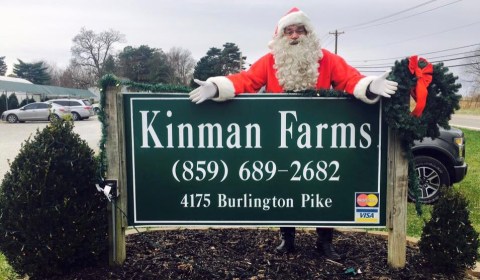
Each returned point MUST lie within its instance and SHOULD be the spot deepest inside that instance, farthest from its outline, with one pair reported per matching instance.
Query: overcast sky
(376, 32)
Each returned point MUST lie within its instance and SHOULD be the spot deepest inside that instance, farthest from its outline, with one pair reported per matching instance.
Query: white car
(80, 108)
(96, 108)
(37, 111)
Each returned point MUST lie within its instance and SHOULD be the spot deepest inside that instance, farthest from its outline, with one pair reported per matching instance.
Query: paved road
(465, 121)
(13, 135)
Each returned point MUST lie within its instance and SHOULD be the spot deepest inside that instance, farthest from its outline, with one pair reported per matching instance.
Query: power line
(359, 26)
(455, 58)
(401, 57)
(437, 61)
(383, 23)
(466, 64)
(386, 67)
(328, 42)
(375, 20)
(452, 49)
(388, 16)
(448, 66)
(427, 35)
(447, 55)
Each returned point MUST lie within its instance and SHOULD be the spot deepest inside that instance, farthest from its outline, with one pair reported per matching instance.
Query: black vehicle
(439, 162)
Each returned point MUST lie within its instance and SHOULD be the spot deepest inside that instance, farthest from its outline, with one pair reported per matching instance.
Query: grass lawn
(6, 271)
(470, 187)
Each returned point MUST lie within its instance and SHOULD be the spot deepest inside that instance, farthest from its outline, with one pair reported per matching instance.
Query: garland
(111, 80)
(432, 86)
(134, 86)
(108, 80)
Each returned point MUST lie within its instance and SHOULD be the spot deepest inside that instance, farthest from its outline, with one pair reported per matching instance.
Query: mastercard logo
(367, 200)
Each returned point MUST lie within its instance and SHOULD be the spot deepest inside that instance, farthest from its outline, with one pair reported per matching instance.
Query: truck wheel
(432, 175)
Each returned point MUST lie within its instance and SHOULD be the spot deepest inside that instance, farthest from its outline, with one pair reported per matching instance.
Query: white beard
(297, 65)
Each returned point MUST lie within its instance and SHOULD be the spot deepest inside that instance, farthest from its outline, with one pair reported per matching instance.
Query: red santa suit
(333, 72)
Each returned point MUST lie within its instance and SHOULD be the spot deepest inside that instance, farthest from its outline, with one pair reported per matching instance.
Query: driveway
(13, 135)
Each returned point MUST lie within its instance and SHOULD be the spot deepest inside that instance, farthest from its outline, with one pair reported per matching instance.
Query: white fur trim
(360, 90)
(226, 90)
(297, 17)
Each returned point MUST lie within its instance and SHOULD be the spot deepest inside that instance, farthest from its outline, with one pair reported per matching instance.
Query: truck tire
(432, 175)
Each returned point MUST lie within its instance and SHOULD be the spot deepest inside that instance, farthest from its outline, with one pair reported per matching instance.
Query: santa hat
(294, 16)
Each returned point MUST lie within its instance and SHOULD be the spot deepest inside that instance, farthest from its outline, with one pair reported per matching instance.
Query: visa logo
(367, 215)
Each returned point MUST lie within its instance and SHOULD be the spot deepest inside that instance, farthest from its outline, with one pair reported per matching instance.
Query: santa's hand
(207, 90)
(382, 86)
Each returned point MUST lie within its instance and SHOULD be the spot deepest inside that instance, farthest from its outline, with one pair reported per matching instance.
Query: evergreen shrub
(449, 243)
(52, 218)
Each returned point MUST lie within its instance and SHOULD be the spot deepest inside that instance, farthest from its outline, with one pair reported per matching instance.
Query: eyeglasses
(291, 31)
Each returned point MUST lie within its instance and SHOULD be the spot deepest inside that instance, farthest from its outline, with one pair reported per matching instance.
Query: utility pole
(336, 33)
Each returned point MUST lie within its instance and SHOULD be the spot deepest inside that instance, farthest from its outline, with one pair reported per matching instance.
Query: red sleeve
(254, 78)
(343, 76)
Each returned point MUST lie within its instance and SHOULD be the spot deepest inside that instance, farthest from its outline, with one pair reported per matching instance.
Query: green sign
(257, 160)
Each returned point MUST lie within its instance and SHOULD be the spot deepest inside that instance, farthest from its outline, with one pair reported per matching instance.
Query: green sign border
(129, 100)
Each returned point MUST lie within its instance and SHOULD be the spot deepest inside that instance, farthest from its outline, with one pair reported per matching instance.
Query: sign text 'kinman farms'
(233, 136)
(259, 161)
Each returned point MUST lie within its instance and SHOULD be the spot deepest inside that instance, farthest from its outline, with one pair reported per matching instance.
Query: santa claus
(295, 63)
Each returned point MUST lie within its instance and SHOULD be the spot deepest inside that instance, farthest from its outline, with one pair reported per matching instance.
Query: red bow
(424, 78)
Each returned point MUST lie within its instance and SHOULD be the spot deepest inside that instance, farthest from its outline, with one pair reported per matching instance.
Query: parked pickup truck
(438, 162)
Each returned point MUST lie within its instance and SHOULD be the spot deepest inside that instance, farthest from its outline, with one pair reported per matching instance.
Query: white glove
(207, 90)
(382, 86)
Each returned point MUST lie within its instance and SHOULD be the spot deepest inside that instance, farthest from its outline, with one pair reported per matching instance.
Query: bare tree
(182, 63)
(55, 73)
(473, 71)
(76, 76)
(472, 79)
(91, 50)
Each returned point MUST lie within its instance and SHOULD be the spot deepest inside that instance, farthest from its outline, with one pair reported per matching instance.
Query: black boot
(324, 244)
(287, 235)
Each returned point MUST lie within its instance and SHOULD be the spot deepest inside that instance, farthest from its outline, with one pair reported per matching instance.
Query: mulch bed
(249, 254)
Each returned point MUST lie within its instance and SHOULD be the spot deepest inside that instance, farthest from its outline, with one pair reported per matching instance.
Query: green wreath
(442, 100)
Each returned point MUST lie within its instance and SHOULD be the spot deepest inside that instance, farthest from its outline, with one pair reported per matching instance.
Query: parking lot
(13, 135)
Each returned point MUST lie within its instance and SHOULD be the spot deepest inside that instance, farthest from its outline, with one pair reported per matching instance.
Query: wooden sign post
(116, 168)
(397, 186)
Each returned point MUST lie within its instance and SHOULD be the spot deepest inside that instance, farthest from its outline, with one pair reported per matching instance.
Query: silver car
(80, 108)
(38, 111)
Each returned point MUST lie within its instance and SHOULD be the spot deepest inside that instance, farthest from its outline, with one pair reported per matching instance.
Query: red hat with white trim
(294, 16)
